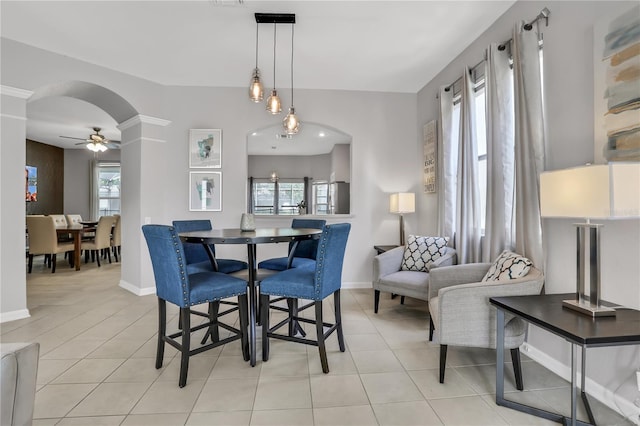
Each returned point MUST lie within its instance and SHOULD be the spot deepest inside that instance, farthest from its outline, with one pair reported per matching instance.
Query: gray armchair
(462, 315)
(388, 276)
(18, 373)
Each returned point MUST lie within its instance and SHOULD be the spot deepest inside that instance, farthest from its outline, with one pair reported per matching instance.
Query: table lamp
(401, 203)
(604, 191)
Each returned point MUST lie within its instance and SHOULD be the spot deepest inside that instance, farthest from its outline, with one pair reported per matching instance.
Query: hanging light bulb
(256, 90)
(290, 122)
(274, 105)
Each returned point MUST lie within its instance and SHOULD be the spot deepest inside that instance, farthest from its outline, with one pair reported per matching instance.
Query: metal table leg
(252, 303)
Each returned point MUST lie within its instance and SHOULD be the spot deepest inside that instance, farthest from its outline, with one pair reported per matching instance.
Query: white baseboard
(14, 315)
(357, 284)
(594, 389)
(145, 291)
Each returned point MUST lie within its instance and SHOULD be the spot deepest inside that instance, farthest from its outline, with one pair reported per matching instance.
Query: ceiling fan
(96, 142)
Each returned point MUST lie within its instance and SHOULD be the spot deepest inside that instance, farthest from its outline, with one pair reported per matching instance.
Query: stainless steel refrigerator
(339, 197)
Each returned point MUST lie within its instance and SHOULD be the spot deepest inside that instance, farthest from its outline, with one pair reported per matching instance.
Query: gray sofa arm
(387, 263)
(449, 258)
(19, 371)
(454, 275)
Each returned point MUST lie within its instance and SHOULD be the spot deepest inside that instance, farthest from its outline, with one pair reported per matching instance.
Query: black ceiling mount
(275, 18)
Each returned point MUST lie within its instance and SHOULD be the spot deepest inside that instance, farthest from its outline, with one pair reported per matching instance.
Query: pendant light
(256, 90)
(274, 106)
(290, 122)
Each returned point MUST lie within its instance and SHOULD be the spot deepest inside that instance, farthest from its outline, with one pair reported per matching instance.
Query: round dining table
(251, 239)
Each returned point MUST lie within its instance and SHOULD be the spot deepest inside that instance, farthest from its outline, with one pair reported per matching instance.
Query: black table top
(547, 312)
(259, 236)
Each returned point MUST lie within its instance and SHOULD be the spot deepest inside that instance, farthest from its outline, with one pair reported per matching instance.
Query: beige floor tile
(283, 392)
(89, 371)
(136, 370)
(199, 369)
(418, 413)
(46, 422)
(155, 419)
(75, 349)
(110, 399)
(150, 347)
(361, 415)
(337, 391)
(229, 418)
(227, 367)
(49, 369)
(58, 400)
(420, 358)
(428, 381)
(284, 365)
(365, 342)
(93, 421)
(514, 417)
(339, 363)
(168, 397)
(299, 417)
(390, 387)
(117, 348)
(376, 361)
(227, 395)
(358, 326)
(466, 411)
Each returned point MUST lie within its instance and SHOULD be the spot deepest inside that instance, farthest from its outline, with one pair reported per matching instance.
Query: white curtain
(467, 229)
(499, 225)
(447, 169)
(529, 143)
(94, 176)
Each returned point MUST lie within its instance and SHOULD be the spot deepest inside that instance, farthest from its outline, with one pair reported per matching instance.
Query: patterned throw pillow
(420, 251)
(508, 266)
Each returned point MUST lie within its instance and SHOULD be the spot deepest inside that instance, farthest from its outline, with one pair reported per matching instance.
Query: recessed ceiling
(387, 46)
(312, 139)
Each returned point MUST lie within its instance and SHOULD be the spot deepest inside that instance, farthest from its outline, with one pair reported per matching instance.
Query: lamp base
(589, 309)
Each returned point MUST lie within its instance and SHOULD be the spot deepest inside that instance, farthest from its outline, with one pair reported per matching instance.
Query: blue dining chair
(196, 255)
(175, 285)
(304, 255)
(311, 284)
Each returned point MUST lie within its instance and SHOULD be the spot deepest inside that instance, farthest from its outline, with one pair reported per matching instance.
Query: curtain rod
(544, 14)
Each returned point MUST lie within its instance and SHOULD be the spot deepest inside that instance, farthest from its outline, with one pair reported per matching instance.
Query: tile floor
(97, 348)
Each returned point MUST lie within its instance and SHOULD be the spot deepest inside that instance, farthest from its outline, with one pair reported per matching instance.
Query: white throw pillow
(420, 251)
(508, 266)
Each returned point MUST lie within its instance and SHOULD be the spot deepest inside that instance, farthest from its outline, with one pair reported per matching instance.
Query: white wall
(316, 167)
(568, 79)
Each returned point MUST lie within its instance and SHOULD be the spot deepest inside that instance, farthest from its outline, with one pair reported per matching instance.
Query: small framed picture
(205, 148)
(205, 191)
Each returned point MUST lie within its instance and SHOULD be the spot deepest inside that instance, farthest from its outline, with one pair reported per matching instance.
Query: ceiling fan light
(291, 123)
(256, 89)
(101, 147)
(92, 147)
(274, 106)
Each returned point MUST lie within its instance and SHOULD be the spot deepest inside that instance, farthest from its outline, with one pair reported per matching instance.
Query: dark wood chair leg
(185, 313)
(244, 324)
(443, 361)
(264, 320)
(431, 328)
(338, 316)
(53, 262)
(402, 300)
(162, 331)
(292, 304)
(320, 335)
(115, 253)
(30, 262)
(214, 308)
(108, 253)
(376, 300)
(97, 257)
(517, 367)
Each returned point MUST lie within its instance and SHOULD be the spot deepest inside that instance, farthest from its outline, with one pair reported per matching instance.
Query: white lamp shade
(402, 202)
(604, 191)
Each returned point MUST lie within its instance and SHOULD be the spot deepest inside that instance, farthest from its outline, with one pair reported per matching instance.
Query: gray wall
(316, 167)
(569, 82)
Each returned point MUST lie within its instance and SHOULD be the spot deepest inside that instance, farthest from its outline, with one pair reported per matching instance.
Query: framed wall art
(205, 191)
(205, 148)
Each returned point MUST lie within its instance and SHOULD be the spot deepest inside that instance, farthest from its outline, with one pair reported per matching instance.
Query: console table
(546, 312)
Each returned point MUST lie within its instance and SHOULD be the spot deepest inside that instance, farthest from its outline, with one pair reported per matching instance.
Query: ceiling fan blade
(70, 137)
(112, 145)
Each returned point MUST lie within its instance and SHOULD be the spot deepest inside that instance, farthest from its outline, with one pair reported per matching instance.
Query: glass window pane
(264, 197)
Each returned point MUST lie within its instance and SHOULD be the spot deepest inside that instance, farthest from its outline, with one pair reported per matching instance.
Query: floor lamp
(602, 192)
(401, 203)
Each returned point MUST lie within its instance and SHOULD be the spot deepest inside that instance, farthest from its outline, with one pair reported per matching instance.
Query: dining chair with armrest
(461, 314)
(116, 237)
(196, 255)
(102, 240)
(43, 239)
(310, 284)
(175, 285)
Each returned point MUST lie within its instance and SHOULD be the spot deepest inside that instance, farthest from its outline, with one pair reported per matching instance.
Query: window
(280, 197)
(321, 197)
(108, 189)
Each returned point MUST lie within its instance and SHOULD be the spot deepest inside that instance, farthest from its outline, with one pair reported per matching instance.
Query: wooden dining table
(76, 231)
(251, 239)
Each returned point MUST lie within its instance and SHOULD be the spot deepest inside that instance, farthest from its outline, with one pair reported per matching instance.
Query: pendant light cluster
(290, 123)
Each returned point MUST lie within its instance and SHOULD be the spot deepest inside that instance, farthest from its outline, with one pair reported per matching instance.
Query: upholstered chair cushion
(508, 266)
(420, 252)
